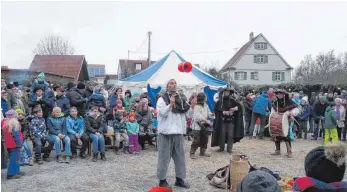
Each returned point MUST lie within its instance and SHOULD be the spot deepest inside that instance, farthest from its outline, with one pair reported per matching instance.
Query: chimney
(251, 35)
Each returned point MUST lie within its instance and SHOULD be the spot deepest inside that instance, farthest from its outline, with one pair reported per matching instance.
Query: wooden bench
(106, 135)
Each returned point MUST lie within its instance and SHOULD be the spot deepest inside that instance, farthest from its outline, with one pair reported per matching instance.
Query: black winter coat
(77, 100)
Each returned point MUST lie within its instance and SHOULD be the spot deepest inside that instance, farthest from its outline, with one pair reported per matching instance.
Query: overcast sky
(105, 31)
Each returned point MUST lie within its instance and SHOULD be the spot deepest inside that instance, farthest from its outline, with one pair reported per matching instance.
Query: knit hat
(322, 99)
(11, 114)
(326, 163)
(81, 85)
(132, 114)
(70, 85)
(258, 181)
(19, 111)
(119, 101)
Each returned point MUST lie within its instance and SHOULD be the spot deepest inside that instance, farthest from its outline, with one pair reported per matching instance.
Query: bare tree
(328, 68)
(54, 45)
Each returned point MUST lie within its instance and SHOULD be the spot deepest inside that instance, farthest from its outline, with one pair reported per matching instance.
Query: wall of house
(264, 77)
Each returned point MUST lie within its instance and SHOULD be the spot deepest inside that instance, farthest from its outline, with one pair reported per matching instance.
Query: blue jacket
(56, 125)
(97, 99)
(64, 103)
(262, 103)
(75, 125)
(304, 116)
(4, 106)
(296, 100)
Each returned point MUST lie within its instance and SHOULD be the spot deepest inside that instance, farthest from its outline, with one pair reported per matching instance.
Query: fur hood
(336, 153)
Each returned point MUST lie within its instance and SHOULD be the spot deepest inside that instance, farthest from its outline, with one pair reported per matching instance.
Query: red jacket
(10, 142)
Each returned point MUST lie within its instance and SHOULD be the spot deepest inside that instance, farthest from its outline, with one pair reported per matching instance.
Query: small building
(21, 75)
(97, 72)
(127, 68)
(257, 63)
(66, 65)
(112, 79)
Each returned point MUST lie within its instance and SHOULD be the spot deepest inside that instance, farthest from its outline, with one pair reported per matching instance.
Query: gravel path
(133, 173)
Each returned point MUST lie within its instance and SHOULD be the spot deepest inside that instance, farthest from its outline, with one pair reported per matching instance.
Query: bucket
(238, 170)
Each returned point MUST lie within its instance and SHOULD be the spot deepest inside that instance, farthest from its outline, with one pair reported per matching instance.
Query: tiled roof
(131, 64)
(238, 54)
(69, 65)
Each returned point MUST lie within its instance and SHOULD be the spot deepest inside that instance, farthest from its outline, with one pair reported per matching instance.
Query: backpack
(220, 178)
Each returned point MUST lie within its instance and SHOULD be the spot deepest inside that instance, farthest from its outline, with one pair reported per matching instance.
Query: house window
(102, 71)
(260, 58)
(254, 76)
(138, 66)
(240, 75)
(278, 76)
(260, 46)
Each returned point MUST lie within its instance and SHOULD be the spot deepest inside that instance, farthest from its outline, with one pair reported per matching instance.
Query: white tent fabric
(159, 73)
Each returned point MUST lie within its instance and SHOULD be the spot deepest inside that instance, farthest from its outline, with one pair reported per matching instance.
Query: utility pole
(149, 48)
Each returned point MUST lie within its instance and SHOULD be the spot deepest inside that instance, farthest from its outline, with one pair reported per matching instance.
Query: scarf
(338, 112)
(303, 183)
(181, 104)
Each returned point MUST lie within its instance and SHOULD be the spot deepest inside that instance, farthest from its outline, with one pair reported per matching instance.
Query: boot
(164, 183)
(289, 154)
(103, 157)
(31, 161)
(289, 150)
(46, 157)
(193, 156)
(13, 177)
(82, 156)
(126, 149)
(116, 150)
(67, 159)
(203, 153)
(220, 150)
(59, 159)
(95, 157)
(277, 152)
(181, 183)
(74, 155)
(38, 159)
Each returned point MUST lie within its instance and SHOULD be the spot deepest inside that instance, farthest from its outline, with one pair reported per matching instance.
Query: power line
(189, 53)
(141, 45)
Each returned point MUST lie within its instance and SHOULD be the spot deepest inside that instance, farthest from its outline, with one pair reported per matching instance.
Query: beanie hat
(322, 99)
(11, 114)
(258, 181)
(70, 85)
(119, 101)
(132, 114)
(143, 90)
(19, 111)
(81, 85)
(326, 163)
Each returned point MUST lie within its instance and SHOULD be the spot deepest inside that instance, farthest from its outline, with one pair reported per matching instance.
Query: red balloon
(180, 67)
(187, 67)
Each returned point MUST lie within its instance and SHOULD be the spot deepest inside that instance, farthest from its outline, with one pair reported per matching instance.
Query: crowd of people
(63, 118)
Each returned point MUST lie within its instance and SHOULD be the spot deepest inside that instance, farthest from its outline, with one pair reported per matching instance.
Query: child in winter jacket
(303, 117)
(119, 107)
(330, 126)
(133, 129)
(155, 121)
(13, 143)
(120, 132)
(39, 135)
(76, 131)
(24, 129)
(95, 126)
(58, 133)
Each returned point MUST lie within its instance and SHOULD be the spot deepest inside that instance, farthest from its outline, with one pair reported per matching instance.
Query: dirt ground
(133, 173)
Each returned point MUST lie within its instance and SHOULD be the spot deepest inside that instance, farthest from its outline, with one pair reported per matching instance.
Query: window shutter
(265, 45)
(245, 76)
(255, 46)
(273, 76)
(255, 58)
(252, 75)
(235, 76)
(282, 76)
(265, 59)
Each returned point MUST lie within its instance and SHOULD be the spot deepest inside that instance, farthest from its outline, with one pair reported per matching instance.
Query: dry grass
(138, 173)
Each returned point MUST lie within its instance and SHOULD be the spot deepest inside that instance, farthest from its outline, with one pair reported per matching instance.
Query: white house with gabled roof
(257, 63)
